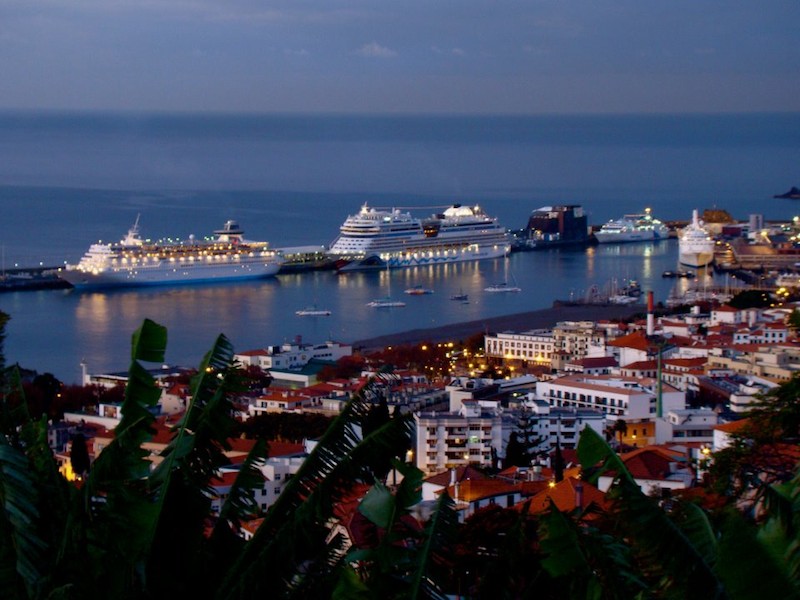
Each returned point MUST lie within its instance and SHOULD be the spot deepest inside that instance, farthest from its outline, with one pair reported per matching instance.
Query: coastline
(537, 319)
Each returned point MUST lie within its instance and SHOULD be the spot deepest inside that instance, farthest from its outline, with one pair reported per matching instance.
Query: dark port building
(554, 226)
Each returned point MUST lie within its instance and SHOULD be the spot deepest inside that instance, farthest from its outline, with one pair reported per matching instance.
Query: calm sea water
(69, 180)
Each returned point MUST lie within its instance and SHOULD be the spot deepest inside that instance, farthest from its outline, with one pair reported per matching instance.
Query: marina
(293, 180)
(56, 330)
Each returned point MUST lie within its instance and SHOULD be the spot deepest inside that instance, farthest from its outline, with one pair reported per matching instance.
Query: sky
(405, 56)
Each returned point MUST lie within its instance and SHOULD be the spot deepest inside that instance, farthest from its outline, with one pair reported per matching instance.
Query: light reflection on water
(54, 330)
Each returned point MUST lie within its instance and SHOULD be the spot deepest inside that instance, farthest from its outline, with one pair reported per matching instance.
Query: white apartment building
(620, 397)
(567, 341)
(688, 425)
(564, 424)
(293, 356)
(451, 440)
(575, 340)
(276, 471)
(535, 346)
(776, 362)
(762, 333)
(747, 391)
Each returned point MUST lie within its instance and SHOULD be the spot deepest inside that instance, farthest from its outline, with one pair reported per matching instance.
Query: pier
(31, 278)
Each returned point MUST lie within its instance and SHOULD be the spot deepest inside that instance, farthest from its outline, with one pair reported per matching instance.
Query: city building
(551, 425)
(778, 363)
(624, 397)
(557, 225)
(472, 436)
(655, 469)
(694, 425)
(291, 356)
(534, 346)
(574, 340)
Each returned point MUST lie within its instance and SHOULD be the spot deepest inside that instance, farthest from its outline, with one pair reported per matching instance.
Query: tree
(3, 320)
(751, 299)
(79, 455)
(793, 321)
(621, 429)
(516, 453)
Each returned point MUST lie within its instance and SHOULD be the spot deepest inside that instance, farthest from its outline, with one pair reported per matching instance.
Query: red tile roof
(472, 490)
(462, 473)
(277, 448)
(565, 495)
(636, 340)
(651, 462)
(732, 427)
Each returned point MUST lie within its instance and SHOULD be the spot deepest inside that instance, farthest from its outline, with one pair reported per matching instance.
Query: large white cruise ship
(696, 246)
(632, 228)
(135, 262)
(390, 238)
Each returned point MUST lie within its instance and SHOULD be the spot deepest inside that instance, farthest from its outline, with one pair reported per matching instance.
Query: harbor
(62, 328)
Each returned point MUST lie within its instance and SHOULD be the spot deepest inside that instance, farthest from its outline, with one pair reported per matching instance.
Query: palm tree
(621, 429)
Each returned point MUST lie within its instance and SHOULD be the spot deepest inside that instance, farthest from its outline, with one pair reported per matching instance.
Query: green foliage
(79, 454)
(516, 453)
(3, 320)
(19, 524)
(585, 561)
(290, 427)
(751, 299)
(793, 321)
(291, 541)
(133, 531)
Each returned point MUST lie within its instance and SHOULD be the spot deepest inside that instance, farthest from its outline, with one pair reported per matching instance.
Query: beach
(537, 319)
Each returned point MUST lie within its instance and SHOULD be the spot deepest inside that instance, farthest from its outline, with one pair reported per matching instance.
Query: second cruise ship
(632, 228)
(391, 238)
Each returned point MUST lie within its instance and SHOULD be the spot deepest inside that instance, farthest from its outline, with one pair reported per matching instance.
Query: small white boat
(313, 312)
(502, 288)
(386, 302)
(460, 297)
(418, 290)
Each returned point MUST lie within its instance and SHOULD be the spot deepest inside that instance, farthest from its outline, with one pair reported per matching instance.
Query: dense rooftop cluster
(654, 457)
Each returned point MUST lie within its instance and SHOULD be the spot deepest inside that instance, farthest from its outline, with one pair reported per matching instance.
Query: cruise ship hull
(419, 259)
(696, 259)
(629, 236)
(161, 275)
(695, 247)
(380, 238)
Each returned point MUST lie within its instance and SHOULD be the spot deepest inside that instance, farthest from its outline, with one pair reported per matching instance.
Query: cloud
(452, 51)
(375, 50)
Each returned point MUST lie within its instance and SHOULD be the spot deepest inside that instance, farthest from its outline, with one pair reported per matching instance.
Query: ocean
(67, 180)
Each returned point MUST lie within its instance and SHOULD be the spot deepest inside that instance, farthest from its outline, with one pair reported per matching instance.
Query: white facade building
(449, 440)
(688, 425)
(534, 346)
(293, 356)
(620, 397)
(562, 424)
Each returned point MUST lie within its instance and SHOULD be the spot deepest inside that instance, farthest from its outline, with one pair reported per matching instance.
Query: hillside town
(496, 422)
(677, 382)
